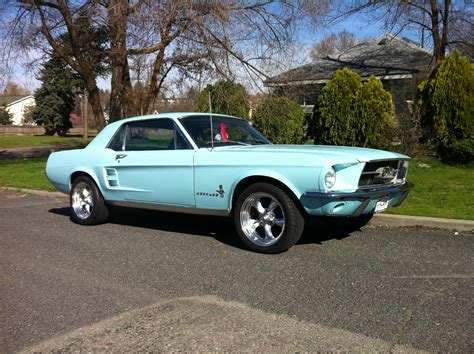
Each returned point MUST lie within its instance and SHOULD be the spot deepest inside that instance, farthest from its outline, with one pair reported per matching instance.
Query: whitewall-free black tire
(87, 204)
(267, 219)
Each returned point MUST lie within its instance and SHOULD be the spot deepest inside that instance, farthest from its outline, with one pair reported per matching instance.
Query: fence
(34, 130)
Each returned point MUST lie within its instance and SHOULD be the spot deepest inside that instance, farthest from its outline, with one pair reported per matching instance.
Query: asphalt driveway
(158, 281)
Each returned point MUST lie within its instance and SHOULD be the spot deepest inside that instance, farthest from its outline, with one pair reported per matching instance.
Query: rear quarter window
(158, 134)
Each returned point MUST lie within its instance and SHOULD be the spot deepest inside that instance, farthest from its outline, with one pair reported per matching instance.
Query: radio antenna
(210, 102)
(210, 120)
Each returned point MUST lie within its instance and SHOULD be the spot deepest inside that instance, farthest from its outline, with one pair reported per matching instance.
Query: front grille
(379, 173)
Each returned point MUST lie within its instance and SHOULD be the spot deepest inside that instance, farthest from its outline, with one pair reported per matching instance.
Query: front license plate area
(381, 205)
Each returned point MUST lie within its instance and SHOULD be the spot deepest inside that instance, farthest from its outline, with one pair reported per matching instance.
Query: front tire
(266, 219)
(87, 204)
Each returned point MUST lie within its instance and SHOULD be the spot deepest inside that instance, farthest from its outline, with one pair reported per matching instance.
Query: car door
(153, 163)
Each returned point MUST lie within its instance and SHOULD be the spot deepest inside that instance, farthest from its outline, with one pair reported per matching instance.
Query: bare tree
(436, 20)
(461, 35)
(13, 89)
(162, 39)
(333, 43)
(59, 25)
(190, 37)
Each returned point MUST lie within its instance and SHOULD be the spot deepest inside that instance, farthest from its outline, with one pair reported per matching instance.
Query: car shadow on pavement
(317, 230)
(222, 229)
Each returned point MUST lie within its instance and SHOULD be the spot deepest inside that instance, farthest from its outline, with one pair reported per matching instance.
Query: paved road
(156, 281)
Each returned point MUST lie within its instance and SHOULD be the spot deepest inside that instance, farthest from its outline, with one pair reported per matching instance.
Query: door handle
(120, 156)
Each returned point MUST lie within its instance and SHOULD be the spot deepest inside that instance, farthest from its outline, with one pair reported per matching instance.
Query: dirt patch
(208, 323)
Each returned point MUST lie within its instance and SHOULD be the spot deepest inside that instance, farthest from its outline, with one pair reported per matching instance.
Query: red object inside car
(224, 135)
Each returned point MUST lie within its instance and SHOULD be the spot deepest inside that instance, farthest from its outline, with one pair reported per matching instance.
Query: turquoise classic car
(220, 165)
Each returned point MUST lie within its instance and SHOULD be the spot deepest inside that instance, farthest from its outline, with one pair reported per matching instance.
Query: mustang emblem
(220, 191)
(385, 172)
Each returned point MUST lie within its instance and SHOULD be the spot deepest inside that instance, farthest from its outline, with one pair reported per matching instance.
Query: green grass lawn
(441, 190)
(25, 141)
(25, 173)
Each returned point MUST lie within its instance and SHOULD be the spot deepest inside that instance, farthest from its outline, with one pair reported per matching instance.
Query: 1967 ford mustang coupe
(220, 165)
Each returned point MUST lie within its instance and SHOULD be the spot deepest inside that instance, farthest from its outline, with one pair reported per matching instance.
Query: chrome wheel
(262, 219)
(82, 201)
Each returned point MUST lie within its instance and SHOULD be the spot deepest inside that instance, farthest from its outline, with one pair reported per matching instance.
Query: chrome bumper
(367, 195)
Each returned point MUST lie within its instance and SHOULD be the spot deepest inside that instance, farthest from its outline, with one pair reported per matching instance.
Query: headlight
(330, 178)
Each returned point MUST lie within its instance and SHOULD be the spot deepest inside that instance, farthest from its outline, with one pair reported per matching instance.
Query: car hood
(327, 152)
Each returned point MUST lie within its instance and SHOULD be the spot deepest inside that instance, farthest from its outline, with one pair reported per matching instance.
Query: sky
(362, 26)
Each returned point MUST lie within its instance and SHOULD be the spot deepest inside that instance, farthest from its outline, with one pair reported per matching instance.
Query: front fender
(298, 183)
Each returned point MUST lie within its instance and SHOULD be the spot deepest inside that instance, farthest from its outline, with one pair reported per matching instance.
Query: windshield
(225, 131)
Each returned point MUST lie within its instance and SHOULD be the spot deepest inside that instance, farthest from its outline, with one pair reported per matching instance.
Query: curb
(392, 220)
(34, 192)
(386, 220)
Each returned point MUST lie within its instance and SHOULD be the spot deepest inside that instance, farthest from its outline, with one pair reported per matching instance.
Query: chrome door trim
(168, 207)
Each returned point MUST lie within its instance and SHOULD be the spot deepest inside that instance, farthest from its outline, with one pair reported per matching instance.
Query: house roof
(386, 57)
(8, 100)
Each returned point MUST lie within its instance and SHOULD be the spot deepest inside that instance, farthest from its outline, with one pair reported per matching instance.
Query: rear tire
(87, 204)
(266, 219)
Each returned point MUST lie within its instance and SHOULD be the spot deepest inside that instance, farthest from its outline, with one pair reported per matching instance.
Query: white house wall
(17, 109)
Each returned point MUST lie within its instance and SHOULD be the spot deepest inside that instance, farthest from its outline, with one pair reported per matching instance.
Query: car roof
(107, 133)
(172, 115)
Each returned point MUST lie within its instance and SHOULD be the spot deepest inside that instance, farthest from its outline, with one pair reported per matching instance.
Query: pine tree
(56, 96)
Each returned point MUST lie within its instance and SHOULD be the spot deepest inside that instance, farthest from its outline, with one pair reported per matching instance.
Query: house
(17, 106)
(398, 62)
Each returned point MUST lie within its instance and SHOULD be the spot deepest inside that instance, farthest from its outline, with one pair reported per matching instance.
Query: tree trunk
(444, 36)
(440, 35)
(85, 117)
(94, 100)
(79, 63)
(121, 99)
(153, 87)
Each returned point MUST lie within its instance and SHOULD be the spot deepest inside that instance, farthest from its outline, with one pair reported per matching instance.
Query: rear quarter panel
(91, 160)
(61, 165)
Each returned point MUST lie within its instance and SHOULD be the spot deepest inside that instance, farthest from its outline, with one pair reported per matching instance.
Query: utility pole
(84, 116)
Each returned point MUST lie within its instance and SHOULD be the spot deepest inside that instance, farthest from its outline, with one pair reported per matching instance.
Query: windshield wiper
(259, 142)
(233, 142)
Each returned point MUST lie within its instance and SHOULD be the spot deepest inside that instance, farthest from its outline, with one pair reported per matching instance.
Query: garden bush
(409, 132)
(281, 120)
(355, 113)
(446, 100)
(6, 117)
(227, 97)
(376, 115)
